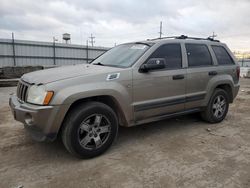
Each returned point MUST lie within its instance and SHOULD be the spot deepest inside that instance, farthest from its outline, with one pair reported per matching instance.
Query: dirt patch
(4, 114)
(179, 152)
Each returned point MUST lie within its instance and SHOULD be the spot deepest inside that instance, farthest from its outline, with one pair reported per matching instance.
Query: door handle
(212, 73)
(178, 77)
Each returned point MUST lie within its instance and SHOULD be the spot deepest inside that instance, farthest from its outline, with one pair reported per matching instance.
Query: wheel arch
(105, 99)
(224, 82)
(229, 90)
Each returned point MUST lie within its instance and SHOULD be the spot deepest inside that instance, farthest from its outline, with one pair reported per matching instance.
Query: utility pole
(160, 29)
(213, 36)
(92, 40)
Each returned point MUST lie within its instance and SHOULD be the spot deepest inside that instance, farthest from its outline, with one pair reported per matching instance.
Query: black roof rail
(171, 37)
(186, 37)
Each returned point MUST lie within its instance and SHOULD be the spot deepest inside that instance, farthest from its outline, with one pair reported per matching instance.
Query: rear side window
(171, 53)
(222, 55)
(198, 55)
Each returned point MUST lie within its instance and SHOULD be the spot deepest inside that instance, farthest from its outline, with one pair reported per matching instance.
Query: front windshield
(123, 55)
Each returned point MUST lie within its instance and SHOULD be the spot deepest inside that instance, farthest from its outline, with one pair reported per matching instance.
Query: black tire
(209, 113)
(76, 129)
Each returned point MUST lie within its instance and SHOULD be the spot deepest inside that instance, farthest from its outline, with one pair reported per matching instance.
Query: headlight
(38, 95)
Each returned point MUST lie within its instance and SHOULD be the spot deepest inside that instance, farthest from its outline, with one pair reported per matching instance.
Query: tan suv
(130, 84)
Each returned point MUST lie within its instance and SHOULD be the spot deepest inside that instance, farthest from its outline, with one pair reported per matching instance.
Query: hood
(65, 72)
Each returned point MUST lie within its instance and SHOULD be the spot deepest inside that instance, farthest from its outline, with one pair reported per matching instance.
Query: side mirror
(153, 64)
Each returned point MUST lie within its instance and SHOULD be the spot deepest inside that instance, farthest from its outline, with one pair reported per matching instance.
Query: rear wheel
(89, 129)
(217, 107)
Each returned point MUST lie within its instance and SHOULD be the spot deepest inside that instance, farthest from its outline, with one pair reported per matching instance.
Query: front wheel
(90, 129)
(217, 107)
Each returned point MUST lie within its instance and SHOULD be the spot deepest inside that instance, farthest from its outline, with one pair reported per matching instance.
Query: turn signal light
(48, 97)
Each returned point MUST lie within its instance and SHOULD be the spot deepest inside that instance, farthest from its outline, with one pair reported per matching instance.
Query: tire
(89, 129)
(213, 108)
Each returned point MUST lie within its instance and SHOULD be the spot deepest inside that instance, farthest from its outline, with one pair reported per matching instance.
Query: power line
(125, 34)
(235, 35)
(129, 37)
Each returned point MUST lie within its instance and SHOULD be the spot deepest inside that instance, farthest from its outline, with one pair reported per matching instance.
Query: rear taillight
(238, 72)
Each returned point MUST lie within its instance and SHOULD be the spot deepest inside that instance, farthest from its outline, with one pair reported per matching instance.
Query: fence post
(13, 47)
(54, 50)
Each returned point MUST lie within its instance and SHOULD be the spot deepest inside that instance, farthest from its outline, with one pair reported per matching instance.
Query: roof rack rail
(185, 37)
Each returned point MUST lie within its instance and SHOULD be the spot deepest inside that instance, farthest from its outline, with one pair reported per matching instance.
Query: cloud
(114, 21)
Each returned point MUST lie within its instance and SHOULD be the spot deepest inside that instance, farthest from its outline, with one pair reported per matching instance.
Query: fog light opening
(28, 119)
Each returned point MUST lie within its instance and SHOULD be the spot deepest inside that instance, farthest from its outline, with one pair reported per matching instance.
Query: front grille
(22, 89)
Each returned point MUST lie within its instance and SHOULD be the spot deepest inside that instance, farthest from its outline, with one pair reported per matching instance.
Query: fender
(215, 82)
(67, 96)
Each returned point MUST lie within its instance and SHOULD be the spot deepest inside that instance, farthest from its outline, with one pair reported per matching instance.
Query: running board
(166, 116)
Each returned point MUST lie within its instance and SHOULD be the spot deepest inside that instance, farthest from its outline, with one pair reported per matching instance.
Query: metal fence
(33, 53)
(244, 62)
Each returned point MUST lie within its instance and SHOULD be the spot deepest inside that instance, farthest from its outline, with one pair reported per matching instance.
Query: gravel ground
(179, 152)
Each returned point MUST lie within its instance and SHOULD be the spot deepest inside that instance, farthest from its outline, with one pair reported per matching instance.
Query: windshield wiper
(99, 63)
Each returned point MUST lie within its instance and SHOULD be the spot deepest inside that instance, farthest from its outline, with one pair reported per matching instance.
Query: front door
(160, 92)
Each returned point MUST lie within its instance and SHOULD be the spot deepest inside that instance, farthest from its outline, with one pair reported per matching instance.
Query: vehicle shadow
(129, 135)
(171, 125)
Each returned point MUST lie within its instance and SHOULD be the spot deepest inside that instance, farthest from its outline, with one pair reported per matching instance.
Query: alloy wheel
(219, 106)
(94, 131)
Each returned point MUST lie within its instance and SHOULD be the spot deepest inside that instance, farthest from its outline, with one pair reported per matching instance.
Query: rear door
(226, 64)
(199, 71)
(159, 92)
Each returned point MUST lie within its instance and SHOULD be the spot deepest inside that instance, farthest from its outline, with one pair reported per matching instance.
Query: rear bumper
(236, 90)
(38, 120)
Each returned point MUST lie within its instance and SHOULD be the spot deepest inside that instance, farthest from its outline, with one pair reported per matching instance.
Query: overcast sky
(114, 21)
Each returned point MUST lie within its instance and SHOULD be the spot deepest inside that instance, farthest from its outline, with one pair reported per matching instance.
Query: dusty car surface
(131, 84)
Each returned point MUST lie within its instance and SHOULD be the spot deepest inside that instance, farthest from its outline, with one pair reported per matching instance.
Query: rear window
(198, 55)
(222, 55)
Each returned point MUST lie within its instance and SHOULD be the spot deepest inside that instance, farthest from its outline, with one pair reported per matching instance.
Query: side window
(171, 53)
(198, 55)
(222, 55)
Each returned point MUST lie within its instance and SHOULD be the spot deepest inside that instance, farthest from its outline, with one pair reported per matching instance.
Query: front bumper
(38, 120)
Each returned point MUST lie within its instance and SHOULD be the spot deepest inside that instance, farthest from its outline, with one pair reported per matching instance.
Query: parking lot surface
(178, 152)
